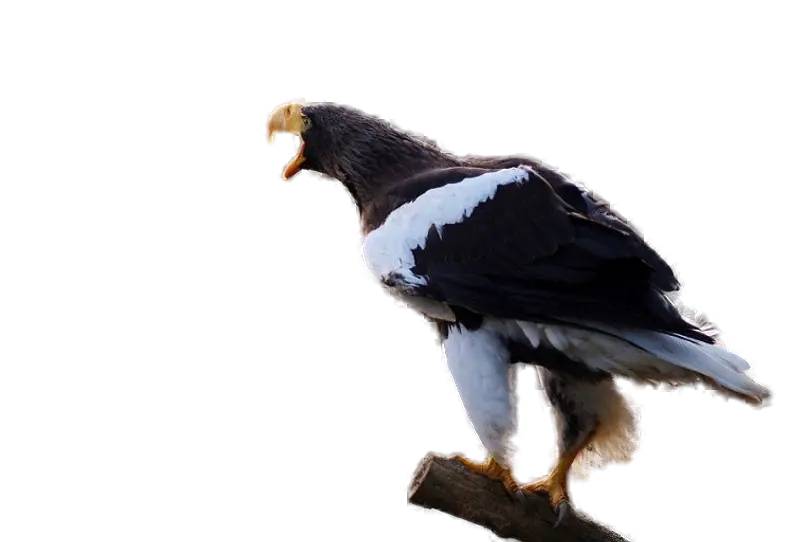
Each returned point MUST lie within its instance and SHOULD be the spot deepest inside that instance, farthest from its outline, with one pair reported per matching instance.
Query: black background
(695, 177)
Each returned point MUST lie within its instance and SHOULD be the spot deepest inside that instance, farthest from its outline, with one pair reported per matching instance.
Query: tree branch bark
(446, 485)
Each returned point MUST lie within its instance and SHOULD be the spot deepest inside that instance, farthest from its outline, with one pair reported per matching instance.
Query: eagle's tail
(652, 357)
(676, 359)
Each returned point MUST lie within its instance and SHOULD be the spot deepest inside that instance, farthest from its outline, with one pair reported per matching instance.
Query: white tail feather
(650, 356)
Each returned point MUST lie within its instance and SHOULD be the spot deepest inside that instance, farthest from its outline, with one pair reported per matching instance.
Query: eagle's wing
(504, 243)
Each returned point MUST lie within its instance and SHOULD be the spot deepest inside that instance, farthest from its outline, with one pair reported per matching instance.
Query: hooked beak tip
(271, 138)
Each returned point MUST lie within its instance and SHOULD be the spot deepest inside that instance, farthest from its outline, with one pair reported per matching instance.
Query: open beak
(289, 118)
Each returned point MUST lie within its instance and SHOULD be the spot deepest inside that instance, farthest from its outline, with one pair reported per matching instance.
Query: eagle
(516, 263)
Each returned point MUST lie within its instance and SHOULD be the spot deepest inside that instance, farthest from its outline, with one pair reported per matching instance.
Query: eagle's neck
(371, 170)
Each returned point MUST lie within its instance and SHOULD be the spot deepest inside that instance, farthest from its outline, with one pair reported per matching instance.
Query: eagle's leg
(555, 483)
(577, 406)
(493, 469)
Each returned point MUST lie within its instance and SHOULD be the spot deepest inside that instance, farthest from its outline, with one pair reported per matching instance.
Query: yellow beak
(286, 118)
(289, 118)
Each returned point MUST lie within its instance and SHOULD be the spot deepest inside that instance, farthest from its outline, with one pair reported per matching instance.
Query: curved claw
(563, 508)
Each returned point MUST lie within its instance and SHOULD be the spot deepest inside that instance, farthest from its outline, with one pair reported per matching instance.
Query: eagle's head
(362, 151)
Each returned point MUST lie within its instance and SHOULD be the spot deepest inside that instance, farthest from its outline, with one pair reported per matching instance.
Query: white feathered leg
(478, 362)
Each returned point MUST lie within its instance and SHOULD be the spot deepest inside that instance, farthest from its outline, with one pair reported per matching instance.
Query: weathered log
(446, 485)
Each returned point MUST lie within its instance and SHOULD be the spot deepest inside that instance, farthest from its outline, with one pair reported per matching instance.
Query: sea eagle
(516, 263)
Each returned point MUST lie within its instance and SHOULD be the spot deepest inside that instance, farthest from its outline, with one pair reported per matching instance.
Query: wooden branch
(446, 485)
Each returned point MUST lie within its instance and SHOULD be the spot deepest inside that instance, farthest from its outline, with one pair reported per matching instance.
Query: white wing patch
(388, 249)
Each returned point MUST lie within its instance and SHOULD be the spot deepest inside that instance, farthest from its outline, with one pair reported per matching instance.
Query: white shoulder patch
(388, 249)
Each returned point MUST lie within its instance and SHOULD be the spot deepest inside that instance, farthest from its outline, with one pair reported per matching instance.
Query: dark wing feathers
(588, 204)
(527, 253)
(574, 195)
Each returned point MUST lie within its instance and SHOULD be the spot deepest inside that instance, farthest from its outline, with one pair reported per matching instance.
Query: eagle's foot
(492, 469)
(555, 485)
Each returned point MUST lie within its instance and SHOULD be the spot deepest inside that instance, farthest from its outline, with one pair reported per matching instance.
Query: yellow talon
(493, 469)
(555, 483)
(554, 486)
